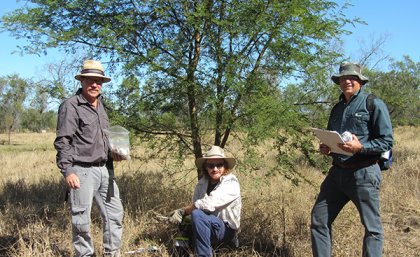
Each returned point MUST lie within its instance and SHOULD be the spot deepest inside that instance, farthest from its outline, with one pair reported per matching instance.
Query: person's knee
(318, 222)
(197, 214)
(116, 216)
(315, 219)
(80, 219)
(199, 218)
(374, 229)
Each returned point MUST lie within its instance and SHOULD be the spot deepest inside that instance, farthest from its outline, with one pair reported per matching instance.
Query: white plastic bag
(119, 141)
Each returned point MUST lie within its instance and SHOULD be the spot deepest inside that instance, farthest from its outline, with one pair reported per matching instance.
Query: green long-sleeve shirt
(374, 133)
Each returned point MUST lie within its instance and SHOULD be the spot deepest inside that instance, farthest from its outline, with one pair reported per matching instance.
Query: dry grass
(276, 214)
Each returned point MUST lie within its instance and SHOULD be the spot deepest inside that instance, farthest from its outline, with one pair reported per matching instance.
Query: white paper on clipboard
(331, 139)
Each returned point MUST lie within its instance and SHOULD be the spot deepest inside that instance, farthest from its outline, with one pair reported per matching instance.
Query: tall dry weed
(34, 220)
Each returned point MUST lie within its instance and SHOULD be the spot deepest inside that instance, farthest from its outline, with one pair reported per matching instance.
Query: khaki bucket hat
(215, 152)
(92, 68)
(349, 69)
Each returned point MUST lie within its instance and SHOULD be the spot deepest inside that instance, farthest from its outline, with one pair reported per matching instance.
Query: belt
(357, 165)
(90, 164)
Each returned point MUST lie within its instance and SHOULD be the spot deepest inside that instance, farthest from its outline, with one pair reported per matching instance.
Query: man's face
(349, 85)
(91, 87)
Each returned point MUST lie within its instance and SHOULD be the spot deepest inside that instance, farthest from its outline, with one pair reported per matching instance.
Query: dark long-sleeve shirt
(80, 133)
(374, 133)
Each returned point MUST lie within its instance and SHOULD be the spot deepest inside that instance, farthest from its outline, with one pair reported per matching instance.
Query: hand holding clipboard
(331, 139)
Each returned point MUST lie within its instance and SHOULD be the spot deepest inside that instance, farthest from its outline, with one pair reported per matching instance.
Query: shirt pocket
(87, 124)
(358, 122)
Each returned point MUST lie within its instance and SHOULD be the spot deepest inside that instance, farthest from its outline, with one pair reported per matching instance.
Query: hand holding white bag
(119, 142)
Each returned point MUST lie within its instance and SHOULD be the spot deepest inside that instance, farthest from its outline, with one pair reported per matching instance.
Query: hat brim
(96, 75)
(336, 78)
(231, 162)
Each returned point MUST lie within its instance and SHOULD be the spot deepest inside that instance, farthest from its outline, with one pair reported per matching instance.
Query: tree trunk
(10, 132)
(192, 104)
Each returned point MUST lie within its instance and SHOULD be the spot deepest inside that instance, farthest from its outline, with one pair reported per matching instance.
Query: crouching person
(216, 207)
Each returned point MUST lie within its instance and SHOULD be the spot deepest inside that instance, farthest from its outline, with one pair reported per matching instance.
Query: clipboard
(331, 139)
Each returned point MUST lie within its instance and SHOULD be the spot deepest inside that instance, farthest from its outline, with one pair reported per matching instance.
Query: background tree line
(247, 70)
(23, 106)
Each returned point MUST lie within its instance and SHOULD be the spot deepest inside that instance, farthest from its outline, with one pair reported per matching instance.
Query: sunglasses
(212, 165)
(98, 81)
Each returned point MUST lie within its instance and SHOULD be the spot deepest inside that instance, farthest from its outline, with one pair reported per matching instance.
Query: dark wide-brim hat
(349, 69)
(92, 68)
(215, 152)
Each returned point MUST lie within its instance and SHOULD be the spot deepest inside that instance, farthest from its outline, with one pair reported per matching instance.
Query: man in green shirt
(357, 177)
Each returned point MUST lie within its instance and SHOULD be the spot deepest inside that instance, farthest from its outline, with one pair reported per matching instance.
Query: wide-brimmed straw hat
(92, 68)
(349, 69)
(215, 152)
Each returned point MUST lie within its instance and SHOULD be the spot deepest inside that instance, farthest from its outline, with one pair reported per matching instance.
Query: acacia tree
(203, 66)
(399, 88)
(12, 96)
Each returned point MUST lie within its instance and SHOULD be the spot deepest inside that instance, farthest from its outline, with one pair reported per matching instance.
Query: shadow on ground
(24, 204)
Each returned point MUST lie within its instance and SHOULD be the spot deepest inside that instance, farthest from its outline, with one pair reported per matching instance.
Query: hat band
(215, 155)
(93, 71)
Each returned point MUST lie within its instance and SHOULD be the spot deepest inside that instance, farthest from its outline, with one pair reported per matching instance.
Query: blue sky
(399, 21)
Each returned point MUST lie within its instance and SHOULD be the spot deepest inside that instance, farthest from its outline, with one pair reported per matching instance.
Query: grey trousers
(94, 185)
(339, 187)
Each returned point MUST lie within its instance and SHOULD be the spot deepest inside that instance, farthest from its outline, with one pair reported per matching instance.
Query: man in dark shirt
(357, 177)
(83, 156)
